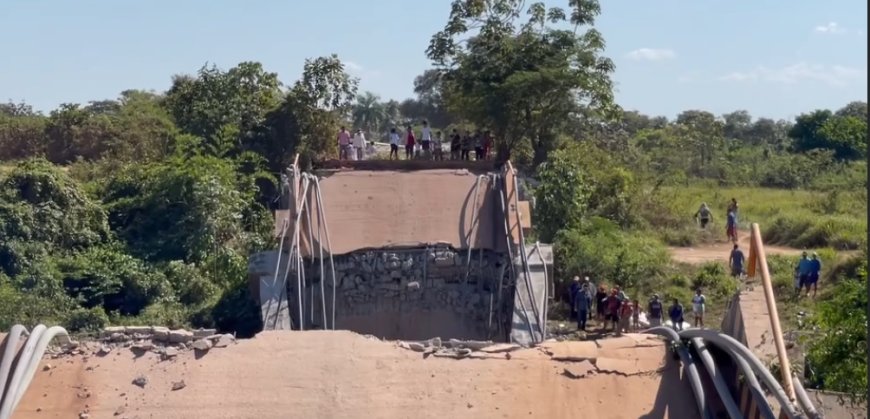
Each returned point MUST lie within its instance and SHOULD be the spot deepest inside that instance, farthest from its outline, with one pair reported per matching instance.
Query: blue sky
(775, 58)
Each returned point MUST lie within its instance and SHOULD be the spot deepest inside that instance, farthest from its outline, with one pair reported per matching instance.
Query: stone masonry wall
(416, 293)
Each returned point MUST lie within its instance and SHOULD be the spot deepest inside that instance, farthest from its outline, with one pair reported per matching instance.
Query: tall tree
(369, 113)
(524, 78)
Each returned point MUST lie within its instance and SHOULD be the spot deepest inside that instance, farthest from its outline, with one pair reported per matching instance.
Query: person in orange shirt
(625, 314)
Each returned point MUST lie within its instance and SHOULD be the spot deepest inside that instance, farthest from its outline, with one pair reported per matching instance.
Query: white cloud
(832, 75)
(651, 54)
(829, 28)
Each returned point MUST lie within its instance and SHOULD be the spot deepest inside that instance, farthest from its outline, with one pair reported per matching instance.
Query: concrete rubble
(143, 339)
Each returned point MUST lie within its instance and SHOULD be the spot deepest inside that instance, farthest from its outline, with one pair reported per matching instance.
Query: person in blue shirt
(736, 261)
(804, 268)
(572, 291)
(676, 315)
(731, 227)
(581, 306)
(813, 276)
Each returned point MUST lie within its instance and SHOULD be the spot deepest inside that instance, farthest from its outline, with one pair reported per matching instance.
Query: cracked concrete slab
(571, 351)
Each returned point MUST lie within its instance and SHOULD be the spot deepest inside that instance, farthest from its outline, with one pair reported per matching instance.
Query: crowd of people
(424, 144)
(616, 312)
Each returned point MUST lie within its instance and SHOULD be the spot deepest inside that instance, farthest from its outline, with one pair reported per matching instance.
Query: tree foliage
(524, 78)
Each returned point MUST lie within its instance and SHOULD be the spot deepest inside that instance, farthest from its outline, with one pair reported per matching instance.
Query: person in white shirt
(359, 144)
(370, 150)
(426, 140)
(699, 305)
(394, 143)
(436, 146)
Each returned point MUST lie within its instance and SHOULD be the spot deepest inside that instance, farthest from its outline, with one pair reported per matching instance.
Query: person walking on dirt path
(410, 142)
(426, 139)
(704, 215)
(343, 144)
(804, 268)
(655, 311)
(731, 227)
(359, 144)
(815, 271)
(581, 306)
(736, 261)
(699, 306)
(600, 305)
(676, 315)
(455, 145)
(733, 207)
(612, 304)
(466, 144)
(394, 143)
(437, 143)
(572, 295)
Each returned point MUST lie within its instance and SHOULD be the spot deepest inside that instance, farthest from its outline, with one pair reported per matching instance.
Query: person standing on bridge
(600, 305)
(487, 144)
(736, 261)
(359, 144)
(466, 145)
(437, 144)
(590, 293)
(815, 271)
(612, 304)
(426, 139)
(676, 315)
(343, 144)
(394, 143)
(626, 312)
(410, 141)
(455, 145)
(699, 306)
(655, 311)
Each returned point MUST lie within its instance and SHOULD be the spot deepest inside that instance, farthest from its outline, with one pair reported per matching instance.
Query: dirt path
(344, 375)
(721, 250)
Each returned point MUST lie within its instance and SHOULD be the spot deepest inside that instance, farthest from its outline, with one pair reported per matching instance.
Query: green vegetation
(143, 209)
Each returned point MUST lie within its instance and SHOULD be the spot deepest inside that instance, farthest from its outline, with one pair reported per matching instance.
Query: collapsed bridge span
(405, 250)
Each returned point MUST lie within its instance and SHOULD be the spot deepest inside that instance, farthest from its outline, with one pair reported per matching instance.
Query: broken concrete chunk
(470, 344)
(202, 344)
(142, 347)
(579, 370)
(501, 347)
(178, 385)
(180, 336)
(204, 333)
(416, 346)
(160, 333)
(118, 337)
(224, 340)
(140, 381)
(138, 330)
(170, 352)
(113, 329)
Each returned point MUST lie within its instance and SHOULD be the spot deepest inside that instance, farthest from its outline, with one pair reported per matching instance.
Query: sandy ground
(721, 251)
(345, 375)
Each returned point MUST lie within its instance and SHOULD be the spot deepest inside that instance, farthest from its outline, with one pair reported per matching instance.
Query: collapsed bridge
(404, 250)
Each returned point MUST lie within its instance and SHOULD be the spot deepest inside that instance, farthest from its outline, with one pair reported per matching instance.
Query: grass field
(796, 218)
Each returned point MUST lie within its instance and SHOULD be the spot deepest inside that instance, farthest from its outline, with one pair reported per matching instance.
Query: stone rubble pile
(141, 339)
(455, 348)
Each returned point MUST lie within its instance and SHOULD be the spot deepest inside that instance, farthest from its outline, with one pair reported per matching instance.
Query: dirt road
(721, 250)
(345, 375)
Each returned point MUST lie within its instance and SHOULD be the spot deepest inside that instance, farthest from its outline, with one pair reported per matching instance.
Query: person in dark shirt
(599, 303)
(581, 306)
(813, 277)
(655, 311)
(572, 294)
(676, 314)
(455, 145)
(736, 261)
(465, 146)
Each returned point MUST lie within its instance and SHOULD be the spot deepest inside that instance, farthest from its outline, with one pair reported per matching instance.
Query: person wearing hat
(572, 294)
(804, 268)
(813, 276)
(655, 311)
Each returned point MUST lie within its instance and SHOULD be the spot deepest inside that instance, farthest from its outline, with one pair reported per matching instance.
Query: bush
(86, 320)
(609, 255)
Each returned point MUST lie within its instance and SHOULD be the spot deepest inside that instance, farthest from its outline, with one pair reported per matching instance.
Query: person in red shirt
(625, 315)
(612, 304)
(409, 144)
